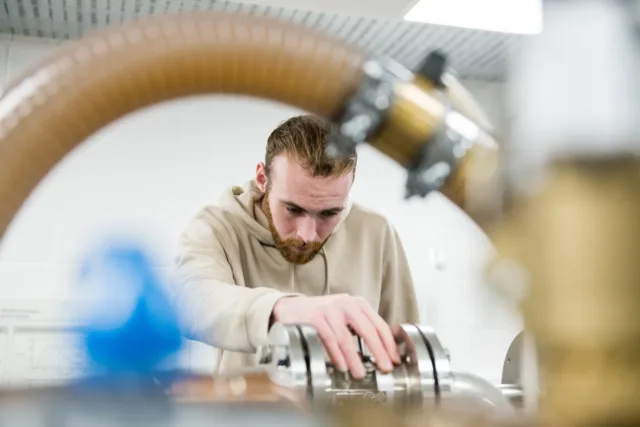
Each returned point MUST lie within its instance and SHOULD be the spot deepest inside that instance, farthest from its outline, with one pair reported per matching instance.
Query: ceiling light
(507, 16)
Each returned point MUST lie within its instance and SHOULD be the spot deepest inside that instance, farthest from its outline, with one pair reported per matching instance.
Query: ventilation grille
(478, 55)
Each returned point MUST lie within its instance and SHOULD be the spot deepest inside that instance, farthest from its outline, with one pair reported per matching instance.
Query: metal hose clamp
(442, 156)
(366, 111)
(439, 357)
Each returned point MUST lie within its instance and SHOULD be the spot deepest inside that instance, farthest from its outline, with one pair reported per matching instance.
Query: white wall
(150, 171)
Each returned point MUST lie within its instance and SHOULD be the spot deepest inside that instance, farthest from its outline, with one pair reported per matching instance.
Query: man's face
(302, 210)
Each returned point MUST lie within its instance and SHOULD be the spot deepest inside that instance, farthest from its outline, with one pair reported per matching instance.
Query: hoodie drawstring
(292, 278)
(327, 286)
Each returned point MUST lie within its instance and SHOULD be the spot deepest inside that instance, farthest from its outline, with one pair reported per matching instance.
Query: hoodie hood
(241, 201)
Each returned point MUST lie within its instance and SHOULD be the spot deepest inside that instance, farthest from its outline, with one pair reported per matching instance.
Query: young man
(289, 246)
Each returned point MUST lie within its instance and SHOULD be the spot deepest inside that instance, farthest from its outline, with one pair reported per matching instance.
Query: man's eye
(328, 214)
(294, 211)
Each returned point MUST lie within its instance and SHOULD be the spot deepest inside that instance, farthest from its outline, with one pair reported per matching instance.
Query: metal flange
(296, 358)
(285, 357)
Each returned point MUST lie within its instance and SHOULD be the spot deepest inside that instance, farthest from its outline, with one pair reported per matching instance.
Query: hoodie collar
(245, 202)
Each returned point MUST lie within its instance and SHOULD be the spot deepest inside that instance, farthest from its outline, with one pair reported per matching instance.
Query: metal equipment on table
(296, 385)
(297, 360)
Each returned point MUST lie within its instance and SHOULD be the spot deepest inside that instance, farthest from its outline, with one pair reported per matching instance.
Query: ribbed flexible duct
(93, 82)
(90, 83)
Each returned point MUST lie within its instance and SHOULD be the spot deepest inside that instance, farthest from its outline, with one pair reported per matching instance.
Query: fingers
(367, 330)
(385, 333)
(336, 324)
(331, 344)
(346, 343)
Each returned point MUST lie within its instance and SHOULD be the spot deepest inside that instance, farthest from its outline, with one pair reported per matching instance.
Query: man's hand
(332, 316)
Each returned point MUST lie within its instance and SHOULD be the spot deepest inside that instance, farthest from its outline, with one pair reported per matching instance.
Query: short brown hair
(304, 138)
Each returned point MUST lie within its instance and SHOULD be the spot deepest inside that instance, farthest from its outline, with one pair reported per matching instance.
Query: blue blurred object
(131, 326)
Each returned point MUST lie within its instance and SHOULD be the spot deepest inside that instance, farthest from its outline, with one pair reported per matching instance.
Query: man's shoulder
(222, 208)
(364, 218)
(210, 213)
(214, 217)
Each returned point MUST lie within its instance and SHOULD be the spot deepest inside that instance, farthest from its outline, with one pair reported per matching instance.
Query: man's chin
(298, 257)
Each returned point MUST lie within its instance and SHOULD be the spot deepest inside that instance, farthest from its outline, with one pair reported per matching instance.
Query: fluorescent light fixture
(506, 16)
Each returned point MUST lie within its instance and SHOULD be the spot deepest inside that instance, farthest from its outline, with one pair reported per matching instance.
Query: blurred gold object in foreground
(580, 242)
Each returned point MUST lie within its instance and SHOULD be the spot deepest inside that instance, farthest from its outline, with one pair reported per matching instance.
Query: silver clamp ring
(417, 358)
(317, 364)
(442, 155)
(439, 358)
(367, 109)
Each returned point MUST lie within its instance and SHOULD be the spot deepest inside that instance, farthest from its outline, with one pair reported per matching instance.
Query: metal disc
(441, 364)
(417, 358)
(287, 365)
(320, 379)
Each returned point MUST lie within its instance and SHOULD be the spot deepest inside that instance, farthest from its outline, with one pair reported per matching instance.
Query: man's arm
(213, 309)
(398, 300)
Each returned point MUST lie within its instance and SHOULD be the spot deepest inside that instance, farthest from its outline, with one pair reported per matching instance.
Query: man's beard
(287, 247)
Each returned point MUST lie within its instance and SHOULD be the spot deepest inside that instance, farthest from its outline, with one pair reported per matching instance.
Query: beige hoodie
(229, 275)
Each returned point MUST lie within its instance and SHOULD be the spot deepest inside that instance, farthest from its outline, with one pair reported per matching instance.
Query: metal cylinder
(297, 359)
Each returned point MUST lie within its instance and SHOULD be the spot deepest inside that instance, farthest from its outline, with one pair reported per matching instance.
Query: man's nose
(307, 229)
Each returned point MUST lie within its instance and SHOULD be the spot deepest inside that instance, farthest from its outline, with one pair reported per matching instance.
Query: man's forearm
(226, 316)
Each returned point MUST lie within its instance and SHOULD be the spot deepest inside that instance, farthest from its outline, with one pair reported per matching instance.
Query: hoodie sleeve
(213, 309)
(398, 300)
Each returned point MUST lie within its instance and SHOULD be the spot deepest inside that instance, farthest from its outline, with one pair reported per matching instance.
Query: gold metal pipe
(580, 237)
(576, 241)
(572, 224)
(418, 114)
(413, 119)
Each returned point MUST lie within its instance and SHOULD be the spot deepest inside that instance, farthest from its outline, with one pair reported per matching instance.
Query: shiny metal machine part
(296, 358)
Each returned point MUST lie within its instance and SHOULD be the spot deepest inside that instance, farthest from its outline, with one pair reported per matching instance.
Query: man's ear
(261, 177)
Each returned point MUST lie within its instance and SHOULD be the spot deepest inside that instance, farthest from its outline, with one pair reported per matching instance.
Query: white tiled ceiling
(381, 9)
(478, 55)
